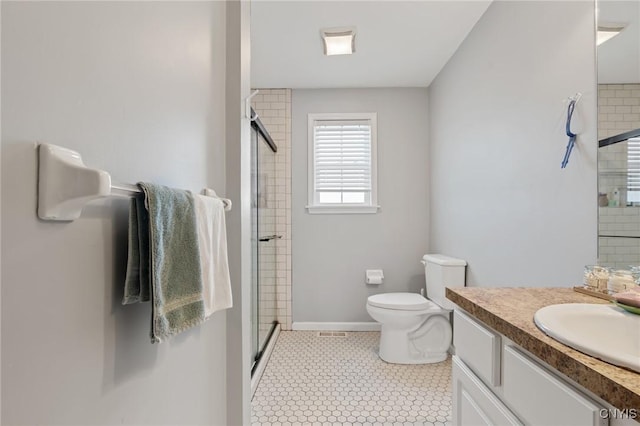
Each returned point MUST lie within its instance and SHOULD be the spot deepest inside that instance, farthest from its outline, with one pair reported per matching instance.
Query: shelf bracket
(65, 184)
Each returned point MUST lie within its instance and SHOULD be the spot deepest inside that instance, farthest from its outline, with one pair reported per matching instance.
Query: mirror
(619, 133)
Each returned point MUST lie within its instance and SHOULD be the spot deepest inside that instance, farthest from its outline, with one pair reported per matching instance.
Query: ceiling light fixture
(607, 33)
(339, 41)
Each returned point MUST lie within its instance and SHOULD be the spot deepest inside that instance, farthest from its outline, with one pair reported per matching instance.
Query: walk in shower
(263, 239)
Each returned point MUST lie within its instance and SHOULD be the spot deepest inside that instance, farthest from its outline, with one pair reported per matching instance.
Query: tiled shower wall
(273, 106)
(618, 249)
(618, 108)
(618, 112)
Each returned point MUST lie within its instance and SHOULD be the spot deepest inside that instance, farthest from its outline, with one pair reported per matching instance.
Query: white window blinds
(633, 170)
(342, 155)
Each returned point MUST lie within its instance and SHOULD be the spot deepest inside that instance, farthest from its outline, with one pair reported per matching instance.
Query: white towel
(212, 238)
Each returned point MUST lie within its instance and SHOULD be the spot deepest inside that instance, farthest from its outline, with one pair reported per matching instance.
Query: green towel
(136, 286)
(166, 232)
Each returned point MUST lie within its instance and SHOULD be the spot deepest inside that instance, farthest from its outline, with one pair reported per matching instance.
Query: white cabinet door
(473, 403)
(540, 398)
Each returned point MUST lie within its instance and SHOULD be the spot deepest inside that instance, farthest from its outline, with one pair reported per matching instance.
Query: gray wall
(139, 90)
(331, 252)
(500, 199)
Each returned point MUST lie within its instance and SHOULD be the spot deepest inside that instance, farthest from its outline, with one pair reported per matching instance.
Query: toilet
(416, 330)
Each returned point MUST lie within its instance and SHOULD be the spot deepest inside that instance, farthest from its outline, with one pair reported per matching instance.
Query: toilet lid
(401, 301)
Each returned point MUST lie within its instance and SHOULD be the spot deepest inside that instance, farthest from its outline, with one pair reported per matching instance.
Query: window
(633, 171)
(342, 163)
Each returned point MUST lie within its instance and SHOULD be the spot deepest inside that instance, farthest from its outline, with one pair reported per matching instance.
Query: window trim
(314, 208)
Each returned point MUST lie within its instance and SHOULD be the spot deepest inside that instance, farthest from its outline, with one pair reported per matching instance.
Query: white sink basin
(603, 331)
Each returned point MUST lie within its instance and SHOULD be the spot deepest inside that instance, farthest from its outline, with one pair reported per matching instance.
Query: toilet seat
(403, 302)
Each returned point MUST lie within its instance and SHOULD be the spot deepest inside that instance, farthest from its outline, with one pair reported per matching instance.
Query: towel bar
(128, 190)
(65, 184)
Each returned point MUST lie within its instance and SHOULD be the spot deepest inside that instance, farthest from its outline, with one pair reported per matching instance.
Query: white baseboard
(335, 326)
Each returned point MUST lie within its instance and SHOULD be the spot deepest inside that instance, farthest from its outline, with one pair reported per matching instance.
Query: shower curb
(264, 360)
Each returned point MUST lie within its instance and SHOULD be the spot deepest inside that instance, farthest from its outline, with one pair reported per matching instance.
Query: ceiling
(619, 58)
(398, 43)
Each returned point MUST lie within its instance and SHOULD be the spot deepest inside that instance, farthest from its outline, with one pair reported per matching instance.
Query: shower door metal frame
(262, 133)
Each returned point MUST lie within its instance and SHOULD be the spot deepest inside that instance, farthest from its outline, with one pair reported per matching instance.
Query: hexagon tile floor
(313, 380)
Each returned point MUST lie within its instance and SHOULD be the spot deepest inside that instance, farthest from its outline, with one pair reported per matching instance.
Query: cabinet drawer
(473, 403)
(478, 347)
(540, 398)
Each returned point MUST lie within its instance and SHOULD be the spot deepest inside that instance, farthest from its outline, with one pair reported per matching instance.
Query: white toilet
(416, 330)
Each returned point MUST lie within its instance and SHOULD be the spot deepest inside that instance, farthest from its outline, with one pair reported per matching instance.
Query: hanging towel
(136, 285)
(212, 238)
(164, 263)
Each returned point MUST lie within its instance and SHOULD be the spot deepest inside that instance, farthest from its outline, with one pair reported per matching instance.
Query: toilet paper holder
(374, 276)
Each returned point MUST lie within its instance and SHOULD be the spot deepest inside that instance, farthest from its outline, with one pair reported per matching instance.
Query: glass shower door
(263, 221)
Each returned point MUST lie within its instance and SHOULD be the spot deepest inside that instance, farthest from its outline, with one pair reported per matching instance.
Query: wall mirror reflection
(619, 133)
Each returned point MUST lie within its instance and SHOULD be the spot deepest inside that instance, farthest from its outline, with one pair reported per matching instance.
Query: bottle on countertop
(620, 280)
(596, 278)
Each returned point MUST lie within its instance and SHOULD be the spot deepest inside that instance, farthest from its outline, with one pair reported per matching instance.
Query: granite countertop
(510, 312)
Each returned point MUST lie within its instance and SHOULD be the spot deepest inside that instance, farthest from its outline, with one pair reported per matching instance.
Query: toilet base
(427, 344)
(395, 348)
(408, 361)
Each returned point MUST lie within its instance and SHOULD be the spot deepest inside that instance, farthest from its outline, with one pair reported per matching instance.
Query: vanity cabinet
(495, 382)
(473, 402)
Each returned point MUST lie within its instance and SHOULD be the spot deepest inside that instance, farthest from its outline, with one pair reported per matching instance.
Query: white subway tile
(631, 259)
(607, 250)
(620, 250)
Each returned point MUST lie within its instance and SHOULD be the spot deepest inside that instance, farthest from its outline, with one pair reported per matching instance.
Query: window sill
(342, 209)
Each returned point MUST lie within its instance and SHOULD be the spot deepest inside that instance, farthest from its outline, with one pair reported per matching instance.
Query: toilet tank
(442, 271)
